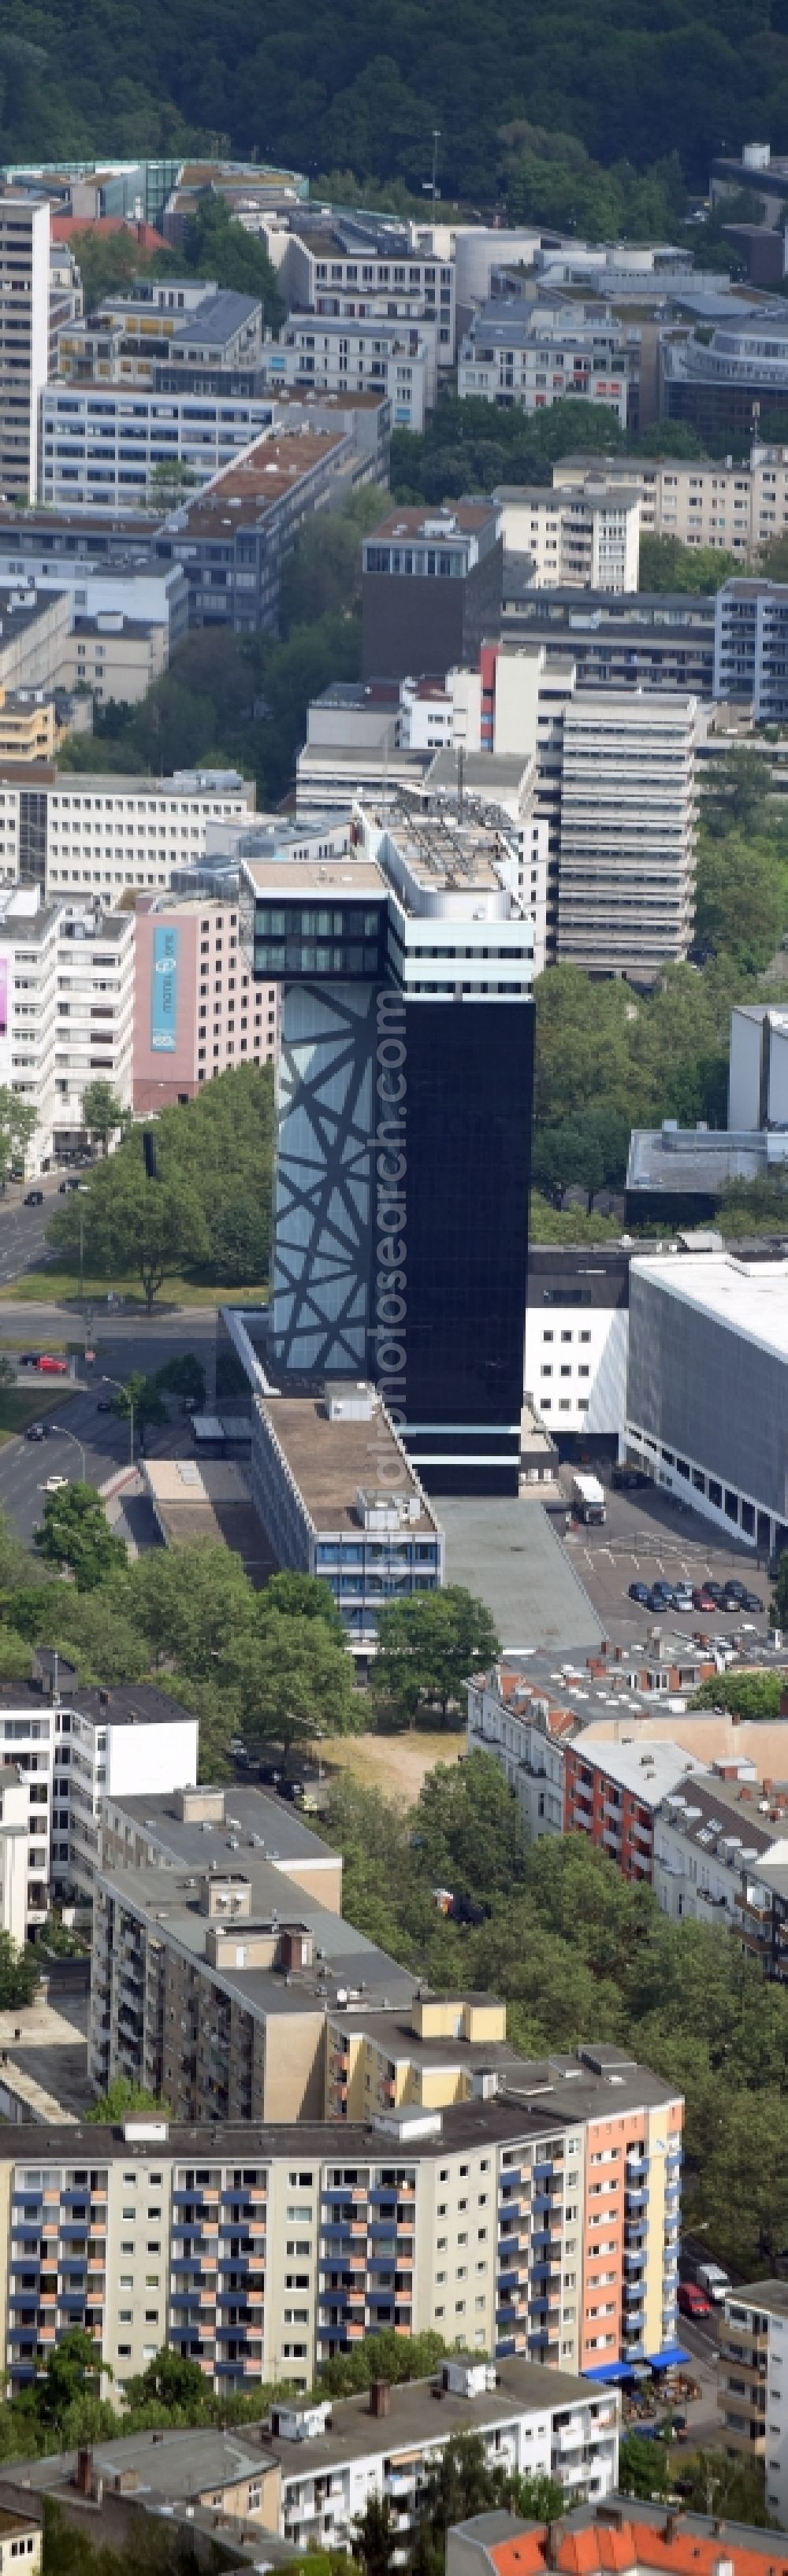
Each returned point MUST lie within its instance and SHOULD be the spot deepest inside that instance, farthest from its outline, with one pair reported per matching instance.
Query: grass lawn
(397, 1764)
(21, 1405)
(51, 1287)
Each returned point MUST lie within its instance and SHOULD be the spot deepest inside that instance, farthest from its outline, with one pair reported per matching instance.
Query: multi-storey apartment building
(24, 337)
(621, 640)
(66, 1000)
(188, 321)
(750, 641)
(73, 834)
(232, 539)
(576, 1330)
(326, 267)
(309, 2470)
(225, 1976)
(721, 1857)
(581, 536)
(64, 1746)
(223, 2242)
(736, 507)
(752, 2391)
(628, 829)
(386, 353)
(105, 446)
(197, 1006)
(530, 356)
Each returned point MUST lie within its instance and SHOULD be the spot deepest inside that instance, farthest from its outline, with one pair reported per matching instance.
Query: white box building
(707, 1387)
(69, 1746)
(74, 833)
(585, 536)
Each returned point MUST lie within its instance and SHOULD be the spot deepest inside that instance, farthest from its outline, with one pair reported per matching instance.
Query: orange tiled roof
(604, 2550)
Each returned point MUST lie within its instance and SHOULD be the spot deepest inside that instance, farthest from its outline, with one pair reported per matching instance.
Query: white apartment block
(104, 447)
(584, 536)
(75, 833)
(329, 270)
(529, 356)
(334, 2458)
(734, 507)
(628, 830)
(66, 1004)
(67, 1747)
(511, 1719)
(339, 357)
(24, 338)
(752, 2389)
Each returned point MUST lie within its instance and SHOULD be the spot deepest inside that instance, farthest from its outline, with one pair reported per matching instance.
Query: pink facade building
(197, 1007)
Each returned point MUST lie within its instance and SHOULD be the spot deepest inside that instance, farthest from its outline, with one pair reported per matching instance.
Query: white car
(55, 1484)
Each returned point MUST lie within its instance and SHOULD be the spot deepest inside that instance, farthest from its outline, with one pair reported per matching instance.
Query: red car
(51, 1367)
(692, 2301)
(702, 1600)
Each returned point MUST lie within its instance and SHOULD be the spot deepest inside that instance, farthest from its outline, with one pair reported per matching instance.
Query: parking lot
(648, 1537)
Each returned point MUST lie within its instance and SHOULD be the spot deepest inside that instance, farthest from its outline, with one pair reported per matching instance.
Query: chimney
(380, 2397)
(555, 2536)
(720, 2526)
(672, 2527)
(84, 2476)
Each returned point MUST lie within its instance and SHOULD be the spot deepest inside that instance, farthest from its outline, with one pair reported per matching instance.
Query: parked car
(55, 1484)
(716, 1591)
(34, 1198)
(627, 1480)
(29, 1359)
(736, 1591)
(639, 1592)
(64, 1186)
(682, 1596)
(751, 1601)
(661, 1601)
(702, 1599)
(35, 1431)
(51, 1367)
(105, 1404)
(692, 2301)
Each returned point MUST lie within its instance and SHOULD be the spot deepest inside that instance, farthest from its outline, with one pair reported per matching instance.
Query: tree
(665, 564)
(218, 246)
(387, 2355)
(74, 1532)
(643, 2466)
(240, 1248)
(375, 2542)
(171, 2379)
(295, 1682)
(18, 1119)
(124, 2101)
(103, 1114)
(185, 1376)
(193, 1605)
(141, 1396)
(19, 1975)
(73, 2369)
(755, 1695)
(303, 1596)
(721, 2483)
(322, 577)
(171, 481)
(428, 1645)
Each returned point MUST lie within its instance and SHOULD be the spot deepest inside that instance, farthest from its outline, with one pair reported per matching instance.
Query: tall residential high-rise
(24, 338)
(404, 1126)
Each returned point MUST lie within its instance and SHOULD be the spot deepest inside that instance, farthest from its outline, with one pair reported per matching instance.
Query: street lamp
(60, 1433)
(122, 1390)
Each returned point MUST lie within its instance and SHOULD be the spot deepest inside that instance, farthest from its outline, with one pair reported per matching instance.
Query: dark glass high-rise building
(404, 1128)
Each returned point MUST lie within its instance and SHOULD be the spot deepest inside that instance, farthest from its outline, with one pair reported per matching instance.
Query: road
(123, 1344)
(23, 1244)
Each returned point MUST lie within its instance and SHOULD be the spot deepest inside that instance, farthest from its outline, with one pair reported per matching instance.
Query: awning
(669, 2359)
(615, 2371)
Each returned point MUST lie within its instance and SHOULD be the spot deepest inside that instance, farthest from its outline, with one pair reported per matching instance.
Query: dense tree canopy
(364, 88)
(211, 1154)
